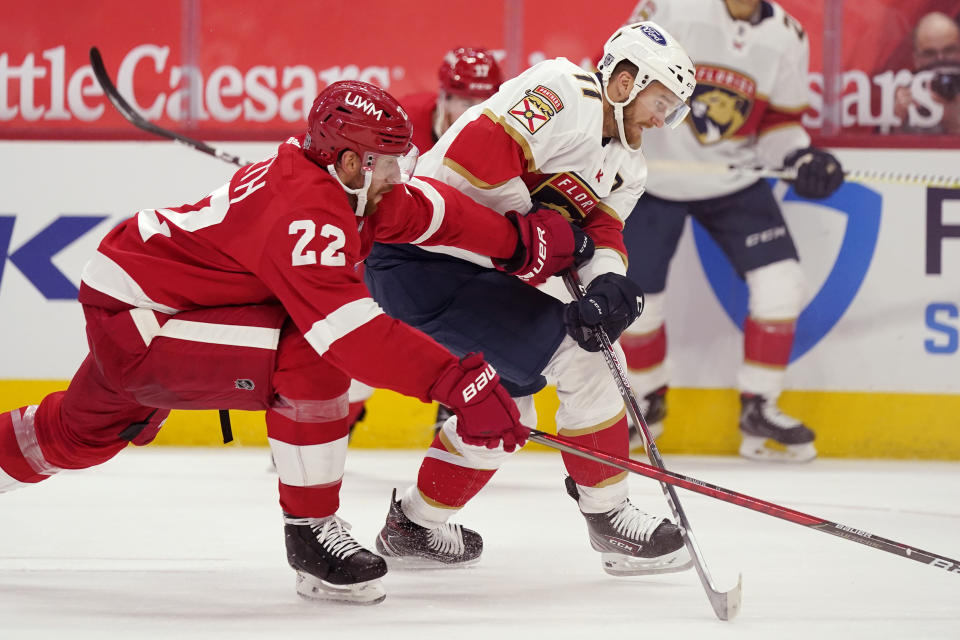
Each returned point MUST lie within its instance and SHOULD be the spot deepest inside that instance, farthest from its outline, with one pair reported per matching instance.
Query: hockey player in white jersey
(751, 92)
(563, 138)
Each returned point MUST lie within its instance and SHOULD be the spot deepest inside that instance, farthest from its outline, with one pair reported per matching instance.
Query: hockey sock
(446, 482)
(611, 437)
(766, 346)
(646, 355)
(767, 342)
(310, 458)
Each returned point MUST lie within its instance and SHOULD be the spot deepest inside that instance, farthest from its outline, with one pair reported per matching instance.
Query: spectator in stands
(936, 53)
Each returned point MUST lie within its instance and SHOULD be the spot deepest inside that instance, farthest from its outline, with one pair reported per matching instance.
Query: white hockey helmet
(658, 56)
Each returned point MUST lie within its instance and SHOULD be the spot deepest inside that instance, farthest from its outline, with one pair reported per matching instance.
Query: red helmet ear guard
(469, 71)
(355, 116)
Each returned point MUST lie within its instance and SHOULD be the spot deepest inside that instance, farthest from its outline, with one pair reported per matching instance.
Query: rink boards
(875, 371)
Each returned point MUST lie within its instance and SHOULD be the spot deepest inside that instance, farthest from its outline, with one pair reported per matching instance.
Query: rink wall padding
(700, 421)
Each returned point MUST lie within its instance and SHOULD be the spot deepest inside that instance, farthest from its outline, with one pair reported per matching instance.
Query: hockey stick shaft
(755, 504)
(136, 119)
(726, 605)
(855, 175)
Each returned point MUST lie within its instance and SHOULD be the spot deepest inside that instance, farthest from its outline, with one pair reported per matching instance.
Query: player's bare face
(742, 9)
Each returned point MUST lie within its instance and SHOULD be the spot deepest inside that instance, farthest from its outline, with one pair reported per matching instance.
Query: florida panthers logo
(721, 104)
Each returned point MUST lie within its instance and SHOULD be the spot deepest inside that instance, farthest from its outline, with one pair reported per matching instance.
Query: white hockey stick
(855, 175)
(726, 604)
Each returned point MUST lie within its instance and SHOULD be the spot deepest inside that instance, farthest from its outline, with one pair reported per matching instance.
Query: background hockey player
(560, 137)
(249, 299)
(751, 92)
(467, 76)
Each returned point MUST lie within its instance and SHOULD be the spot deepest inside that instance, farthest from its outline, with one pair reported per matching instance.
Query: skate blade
(620, 565)
(314, 589)
(768, 450)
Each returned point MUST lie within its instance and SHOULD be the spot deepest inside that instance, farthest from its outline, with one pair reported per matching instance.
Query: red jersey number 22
(331, 256)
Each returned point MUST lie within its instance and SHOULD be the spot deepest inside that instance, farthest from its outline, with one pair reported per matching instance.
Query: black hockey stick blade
(726, 604)
(136, 119)
(749, 502)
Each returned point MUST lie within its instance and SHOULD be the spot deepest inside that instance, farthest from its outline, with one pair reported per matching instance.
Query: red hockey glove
(819, 173)
(486, 414)
(612, 302)
(547, 244)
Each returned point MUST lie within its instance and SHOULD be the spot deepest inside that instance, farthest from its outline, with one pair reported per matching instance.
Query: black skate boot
(442, 414)
(632, 542)
(769, 434)
(654, 408)
(410, 546)
(330, 564)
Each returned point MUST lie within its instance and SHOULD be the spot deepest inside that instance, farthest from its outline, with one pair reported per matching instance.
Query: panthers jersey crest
(721, 104)
(536, 108)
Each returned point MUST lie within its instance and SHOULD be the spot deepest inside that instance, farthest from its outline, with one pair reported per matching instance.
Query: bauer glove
(546, 245)
(486, 414)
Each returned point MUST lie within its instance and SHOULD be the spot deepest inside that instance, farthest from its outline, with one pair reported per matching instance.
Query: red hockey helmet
(357, 116)
(468, 71)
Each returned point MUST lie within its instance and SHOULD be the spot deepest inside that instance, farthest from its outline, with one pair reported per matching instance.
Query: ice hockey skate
(330, 564)
(407, 545)
(654, 408)
(632, 542)
(771, 435)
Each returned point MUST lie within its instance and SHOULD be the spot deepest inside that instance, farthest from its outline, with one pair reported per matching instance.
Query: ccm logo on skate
(486, 377)
(541, 255)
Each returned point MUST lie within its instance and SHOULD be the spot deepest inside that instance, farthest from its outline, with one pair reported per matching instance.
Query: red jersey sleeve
(428, 212)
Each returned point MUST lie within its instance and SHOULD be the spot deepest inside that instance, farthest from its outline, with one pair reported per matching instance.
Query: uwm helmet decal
(861, 206)
(721, 104)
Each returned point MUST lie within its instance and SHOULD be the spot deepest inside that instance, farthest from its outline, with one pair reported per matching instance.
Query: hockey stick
(755, 504)
(855, 175)
(137, 120)
(725, 604)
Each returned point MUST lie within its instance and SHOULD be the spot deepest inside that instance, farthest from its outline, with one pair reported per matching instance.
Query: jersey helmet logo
(363, 104)
(654, 35)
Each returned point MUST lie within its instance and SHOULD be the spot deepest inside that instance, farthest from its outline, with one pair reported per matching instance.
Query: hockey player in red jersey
(566, 138)
(751, 93)
(249, 299)
(467, 76)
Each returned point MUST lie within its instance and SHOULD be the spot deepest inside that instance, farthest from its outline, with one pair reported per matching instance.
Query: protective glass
(391, 169)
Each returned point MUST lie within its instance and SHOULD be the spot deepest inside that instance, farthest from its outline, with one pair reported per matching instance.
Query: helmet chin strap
(618, 112)
(361, 193)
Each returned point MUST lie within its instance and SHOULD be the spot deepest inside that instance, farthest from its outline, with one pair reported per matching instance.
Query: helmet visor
(664, 104)
(391, 169)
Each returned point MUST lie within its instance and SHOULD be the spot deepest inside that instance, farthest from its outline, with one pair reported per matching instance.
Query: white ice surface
(171, 543)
